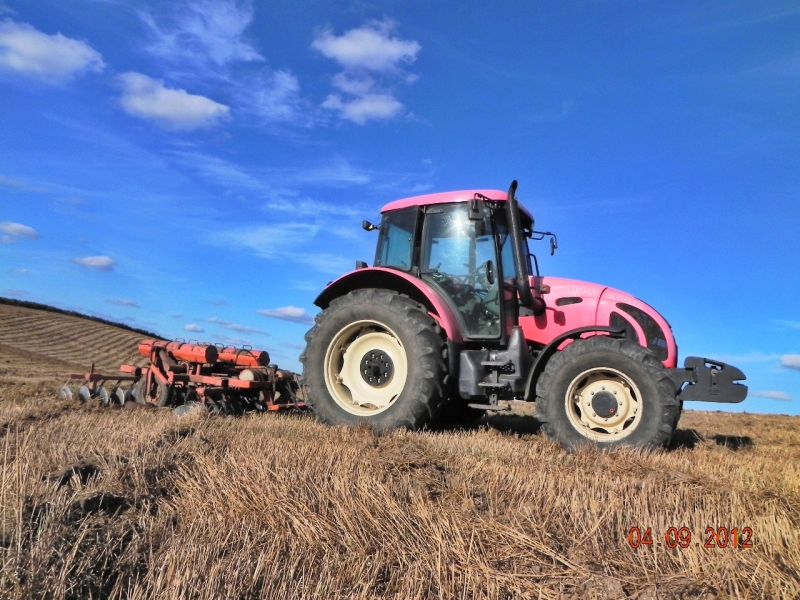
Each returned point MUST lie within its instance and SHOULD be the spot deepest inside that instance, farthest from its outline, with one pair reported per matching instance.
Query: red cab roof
(449, 197)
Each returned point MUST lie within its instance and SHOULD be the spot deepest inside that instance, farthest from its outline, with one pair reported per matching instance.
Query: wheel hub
(377, 368)
(604, 404)
(366, 368)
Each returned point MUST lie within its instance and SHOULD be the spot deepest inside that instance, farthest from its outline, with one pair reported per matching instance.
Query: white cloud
(285, 242)
(773, 395)
(20, 185)
(18, 230)
(205, 30)
(21, 271)
(49, 58)
(288, 313)
(791, 361)
(17, 293)
(792, 324)
(101, 263)
(288, 201)
(269, 241)
(752, 357)
(371, 59)
(217, 302)
(234, 326)
(274, 97)
(193, 328)
(368, 47)
(176, 109)
(206, 40)
(364, 108)
(123, 302)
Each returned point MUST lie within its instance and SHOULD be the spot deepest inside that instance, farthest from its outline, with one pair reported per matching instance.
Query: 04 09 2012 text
(681, 537)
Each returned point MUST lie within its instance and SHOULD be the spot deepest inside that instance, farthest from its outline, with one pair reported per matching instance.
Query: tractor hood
(571, 304)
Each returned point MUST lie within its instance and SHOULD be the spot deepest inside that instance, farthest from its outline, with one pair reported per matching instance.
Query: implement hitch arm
(709, 381)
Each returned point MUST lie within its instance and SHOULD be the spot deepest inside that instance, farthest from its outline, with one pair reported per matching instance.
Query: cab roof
(449, 197)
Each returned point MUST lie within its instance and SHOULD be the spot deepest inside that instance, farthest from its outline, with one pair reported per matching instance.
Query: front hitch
(709, 381)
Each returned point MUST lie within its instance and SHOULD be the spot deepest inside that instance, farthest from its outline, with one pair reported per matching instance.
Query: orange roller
(245, 358)
(196, 353)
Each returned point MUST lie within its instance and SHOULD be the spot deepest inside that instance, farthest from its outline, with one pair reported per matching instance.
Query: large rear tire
(607, 392)
(377, 357)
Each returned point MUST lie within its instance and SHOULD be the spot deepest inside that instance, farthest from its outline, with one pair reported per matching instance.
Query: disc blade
(103, 394)
(118, 396)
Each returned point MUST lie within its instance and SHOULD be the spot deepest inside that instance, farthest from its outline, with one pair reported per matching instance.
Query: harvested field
(131, 502)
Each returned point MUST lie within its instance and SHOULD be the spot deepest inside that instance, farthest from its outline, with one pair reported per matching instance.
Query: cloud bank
(234, 326)
(773, 395)
(12, 231)
(288, 313)
(51, 59)
(175, 109)
(123, 302)
(371, 59)
(100, 263)
(791, 361)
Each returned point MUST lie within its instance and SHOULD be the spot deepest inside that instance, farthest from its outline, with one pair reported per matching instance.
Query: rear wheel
(375, 356)
(608, 392)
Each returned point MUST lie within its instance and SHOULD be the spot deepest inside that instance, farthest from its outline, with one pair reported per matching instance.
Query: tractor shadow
(690, 438)
(517, 424)
(528, 425)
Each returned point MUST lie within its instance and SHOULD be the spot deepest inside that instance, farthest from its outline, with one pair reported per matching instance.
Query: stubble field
(131, 502)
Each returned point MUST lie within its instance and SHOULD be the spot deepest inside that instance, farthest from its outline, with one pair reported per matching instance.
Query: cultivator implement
(223, 379)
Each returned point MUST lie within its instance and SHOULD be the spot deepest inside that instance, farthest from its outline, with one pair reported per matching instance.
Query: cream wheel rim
(603, 404)
(365, 368)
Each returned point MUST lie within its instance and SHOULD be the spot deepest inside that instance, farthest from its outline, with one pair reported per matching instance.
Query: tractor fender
(550, 349)
(398, 281)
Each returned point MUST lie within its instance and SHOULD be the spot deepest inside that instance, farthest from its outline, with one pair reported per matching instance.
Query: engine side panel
(571, 304)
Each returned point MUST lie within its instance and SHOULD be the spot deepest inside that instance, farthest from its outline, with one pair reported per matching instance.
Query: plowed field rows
(38, 343)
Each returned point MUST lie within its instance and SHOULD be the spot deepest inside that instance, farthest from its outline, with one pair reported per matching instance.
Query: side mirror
(367, 226)
(553, 245)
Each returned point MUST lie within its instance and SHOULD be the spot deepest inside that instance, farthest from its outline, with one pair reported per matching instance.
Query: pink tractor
(454, 317)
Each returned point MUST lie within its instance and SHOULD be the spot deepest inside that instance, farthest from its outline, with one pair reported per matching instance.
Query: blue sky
(201, 168)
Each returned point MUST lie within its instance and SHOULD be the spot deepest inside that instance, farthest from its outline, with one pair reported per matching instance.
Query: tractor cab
(462, 245)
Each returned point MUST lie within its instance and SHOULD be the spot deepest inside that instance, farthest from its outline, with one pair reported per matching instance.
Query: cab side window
(396, 243)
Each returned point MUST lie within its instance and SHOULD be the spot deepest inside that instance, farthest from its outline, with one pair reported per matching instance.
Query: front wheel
(608, 392)
(375, 356)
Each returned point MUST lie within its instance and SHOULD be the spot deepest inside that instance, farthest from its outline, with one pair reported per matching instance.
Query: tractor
(454, 319)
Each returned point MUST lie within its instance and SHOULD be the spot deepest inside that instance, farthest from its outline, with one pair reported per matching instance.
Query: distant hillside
(48, 308)
(43, 341)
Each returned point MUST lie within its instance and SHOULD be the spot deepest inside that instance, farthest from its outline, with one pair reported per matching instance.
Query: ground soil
(132, 502)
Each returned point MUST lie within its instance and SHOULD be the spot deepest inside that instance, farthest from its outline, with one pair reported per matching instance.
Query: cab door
(459, 259)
